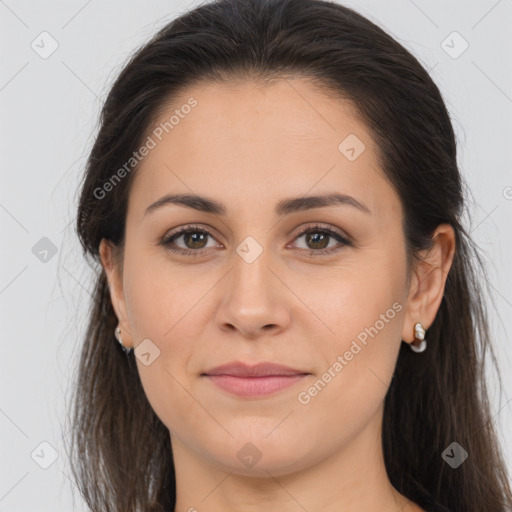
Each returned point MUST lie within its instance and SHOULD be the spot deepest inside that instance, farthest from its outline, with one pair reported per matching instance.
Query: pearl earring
(419, 335)
(117, 334)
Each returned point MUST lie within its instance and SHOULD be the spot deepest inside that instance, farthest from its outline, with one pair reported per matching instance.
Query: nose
(255, 301)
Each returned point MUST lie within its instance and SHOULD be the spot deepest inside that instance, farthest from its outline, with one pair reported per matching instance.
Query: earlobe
(114, 278)
(428, 281)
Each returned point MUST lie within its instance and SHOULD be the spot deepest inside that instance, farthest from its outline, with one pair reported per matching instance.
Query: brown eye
(194, 240)
(318, 238)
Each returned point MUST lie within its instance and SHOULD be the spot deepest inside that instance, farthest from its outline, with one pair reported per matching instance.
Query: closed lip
(264, 369)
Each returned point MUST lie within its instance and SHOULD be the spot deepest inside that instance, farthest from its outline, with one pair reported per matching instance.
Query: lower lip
(255, 386)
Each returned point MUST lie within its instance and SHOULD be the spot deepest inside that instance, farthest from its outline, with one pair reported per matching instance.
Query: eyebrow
(284, 207)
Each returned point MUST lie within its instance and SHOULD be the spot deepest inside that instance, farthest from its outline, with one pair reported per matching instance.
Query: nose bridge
(251, 278)
(251, 292)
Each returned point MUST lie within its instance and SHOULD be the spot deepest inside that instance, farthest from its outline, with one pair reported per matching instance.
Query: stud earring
(117, 334)
(419, 335)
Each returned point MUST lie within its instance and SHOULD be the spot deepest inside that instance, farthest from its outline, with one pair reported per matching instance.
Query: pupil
(312, 237)
(201, 235)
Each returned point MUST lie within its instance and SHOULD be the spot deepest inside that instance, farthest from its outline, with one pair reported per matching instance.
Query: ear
(113, 271)
(428, 281)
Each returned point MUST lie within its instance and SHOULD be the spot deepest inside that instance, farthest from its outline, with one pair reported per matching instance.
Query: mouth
(255, 386)
(247, 380)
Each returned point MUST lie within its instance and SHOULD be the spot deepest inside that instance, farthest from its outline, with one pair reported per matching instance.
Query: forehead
(239, 140)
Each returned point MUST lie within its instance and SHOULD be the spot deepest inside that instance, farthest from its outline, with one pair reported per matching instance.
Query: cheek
(359, 359)
(360, 296)
(160, 308)
(157, 300)
(363, 310)
(150, 305)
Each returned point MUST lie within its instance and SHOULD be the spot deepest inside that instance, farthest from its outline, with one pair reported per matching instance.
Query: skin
(250, 146)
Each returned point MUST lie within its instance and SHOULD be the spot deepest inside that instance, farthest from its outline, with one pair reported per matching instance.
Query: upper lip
(264, 369)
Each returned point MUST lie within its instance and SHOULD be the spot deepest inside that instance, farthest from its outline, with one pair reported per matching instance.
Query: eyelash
(167, 241)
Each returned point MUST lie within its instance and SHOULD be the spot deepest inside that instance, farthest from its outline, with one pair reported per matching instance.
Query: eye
(319, 238)
(195, 240)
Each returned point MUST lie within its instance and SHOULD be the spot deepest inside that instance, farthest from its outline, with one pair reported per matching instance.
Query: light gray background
(49, 118)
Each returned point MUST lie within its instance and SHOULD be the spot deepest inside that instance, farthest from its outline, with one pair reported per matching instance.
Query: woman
(274, 199)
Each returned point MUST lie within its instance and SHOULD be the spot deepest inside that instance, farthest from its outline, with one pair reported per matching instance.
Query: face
(249, 285)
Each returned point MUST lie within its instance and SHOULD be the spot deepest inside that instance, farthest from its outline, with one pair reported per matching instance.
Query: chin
(263, 458)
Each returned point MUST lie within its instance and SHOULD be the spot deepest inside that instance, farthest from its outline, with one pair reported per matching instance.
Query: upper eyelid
(319, 227)
(181, 230)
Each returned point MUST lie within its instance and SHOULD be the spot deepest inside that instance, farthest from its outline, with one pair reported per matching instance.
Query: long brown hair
(121, 451)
